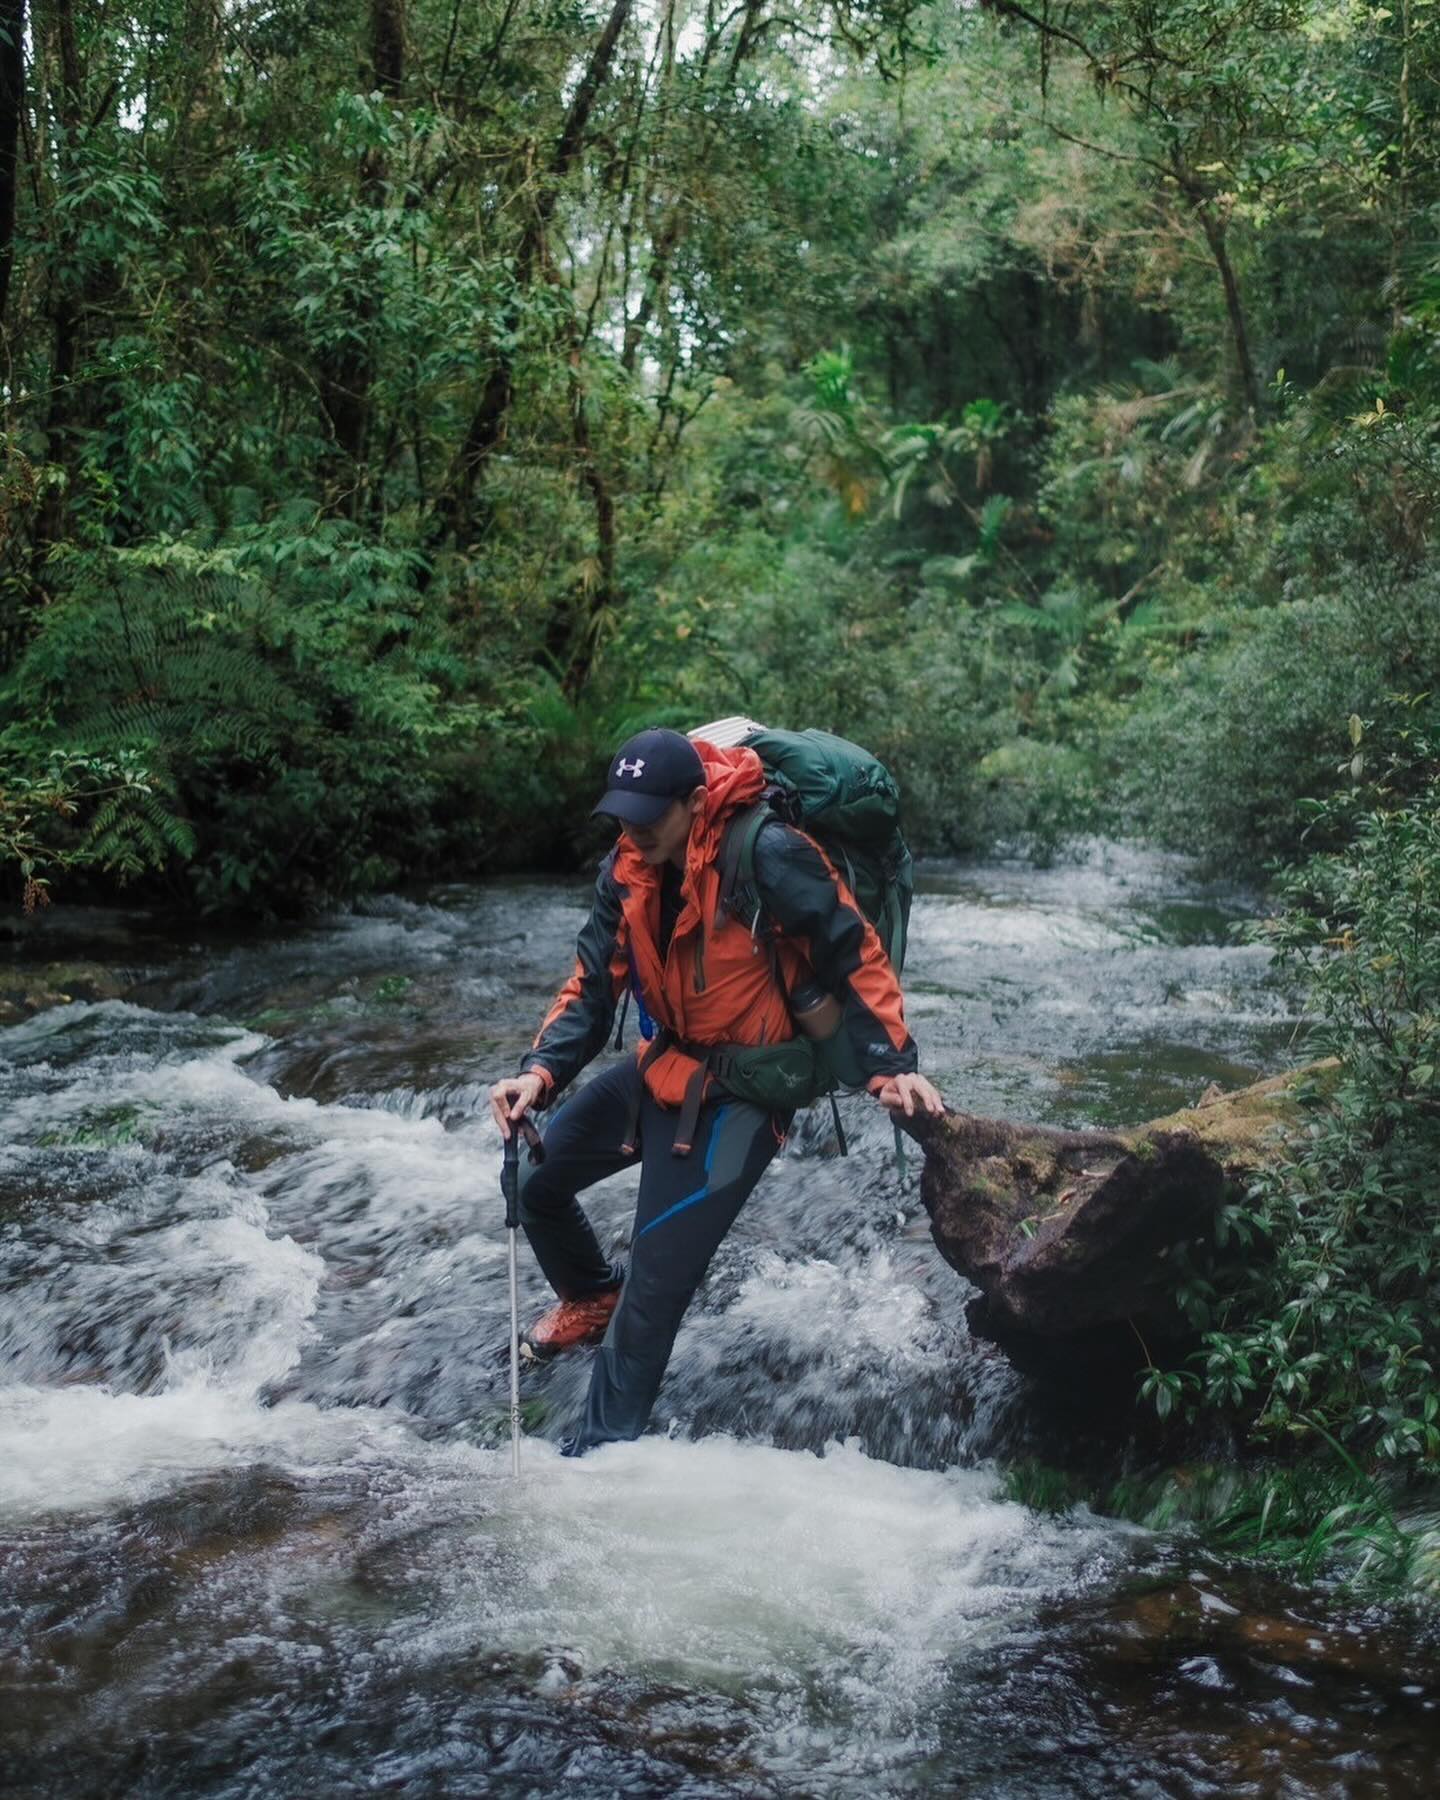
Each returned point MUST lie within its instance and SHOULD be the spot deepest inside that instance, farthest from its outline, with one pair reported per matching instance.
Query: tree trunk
(66, 312)
(656, 282)
(1069, 1235)
(1202, 204)
(12, 99)
(597, 72)
(487, 425)
(1239, 336)
(347, 377)
(573, 645)
(1400, 209)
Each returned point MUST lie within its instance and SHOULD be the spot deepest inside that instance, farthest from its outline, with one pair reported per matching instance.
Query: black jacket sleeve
(804, 895)
(575, 1028)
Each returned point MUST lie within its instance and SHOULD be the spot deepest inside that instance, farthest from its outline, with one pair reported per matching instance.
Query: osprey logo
(635, 768)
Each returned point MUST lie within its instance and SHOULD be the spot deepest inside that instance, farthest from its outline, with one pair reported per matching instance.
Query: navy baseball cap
(649, 773)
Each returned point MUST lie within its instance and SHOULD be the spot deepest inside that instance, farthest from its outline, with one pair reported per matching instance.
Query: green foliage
(1319, 1315)
(106, 1128)
(1233, 679)
(64, 810)
(394, 416)
(1219, 751)
(1317, 1519)
(1320, 1515)
(941, 463)
(1035, 796)
(259, 720)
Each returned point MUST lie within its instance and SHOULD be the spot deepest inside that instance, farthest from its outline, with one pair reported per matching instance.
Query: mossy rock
(1248, 1127)
(29, 989)
(1071, 1236)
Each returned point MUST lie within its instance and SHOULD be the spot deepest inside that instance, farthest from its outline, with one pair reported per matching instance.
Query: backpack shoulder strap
(737, 878)
(737, 853)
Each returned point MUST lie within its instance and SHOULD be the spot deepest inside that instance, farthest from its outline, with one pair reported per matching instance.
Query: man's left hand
(903, 1093)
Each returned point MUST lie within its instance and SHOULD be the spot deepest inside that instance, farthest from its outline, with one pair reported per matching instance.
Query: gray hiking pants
(686, 1205)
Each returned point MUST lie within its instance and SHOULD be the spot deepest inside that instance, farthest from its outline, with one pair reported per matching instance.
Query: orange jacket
(715, 984)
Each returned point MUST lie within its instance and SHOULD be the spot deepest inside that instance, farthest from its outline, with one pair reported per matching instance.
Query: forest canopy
(402, 402)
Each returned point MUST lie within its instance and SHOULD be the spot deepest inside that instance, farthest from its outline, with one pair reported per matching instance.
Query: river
(258, 1534)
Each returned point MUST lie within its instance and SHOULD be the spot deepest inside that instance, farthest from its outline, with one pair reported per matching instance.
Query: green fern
(277, 733)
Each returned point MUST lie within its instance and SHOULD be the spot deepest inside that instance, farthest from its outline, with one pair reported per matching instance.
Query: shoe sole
(544, 1353)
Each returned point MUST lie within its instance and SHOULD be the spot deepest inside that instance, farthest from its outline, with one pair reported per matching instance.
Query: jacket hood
(733, 778)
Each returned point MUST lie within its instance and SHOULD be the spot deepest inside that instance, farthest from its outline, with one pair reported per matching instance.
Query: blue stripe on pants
(700, 1192)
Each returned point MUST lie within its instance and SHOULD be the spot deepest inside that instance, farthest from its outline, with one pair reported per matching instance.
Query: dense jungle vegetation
(403, 401)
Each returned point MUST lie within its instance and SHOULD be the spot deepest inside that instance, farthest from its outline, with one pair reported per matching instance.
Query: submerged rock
(36, 986)
(1070, 1235)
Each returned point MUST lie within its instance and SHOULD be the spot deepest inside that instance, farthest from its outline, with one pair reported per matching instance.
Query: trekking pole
(510, 1188)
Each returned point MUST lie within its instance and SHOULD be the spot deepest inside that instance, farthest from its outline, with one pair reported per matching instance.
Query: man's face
(665, 840)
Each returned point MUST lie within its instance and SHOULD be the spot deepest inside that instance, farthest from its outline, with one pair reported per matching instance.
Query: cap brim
(633, 808)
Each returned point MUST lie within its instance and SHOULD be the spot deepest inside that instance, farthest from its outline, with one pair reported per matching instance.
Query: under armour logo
(630, 768)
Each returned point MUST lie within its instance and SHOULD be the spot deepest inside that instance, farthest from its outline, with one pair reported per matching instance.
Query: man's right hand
(512, 1098)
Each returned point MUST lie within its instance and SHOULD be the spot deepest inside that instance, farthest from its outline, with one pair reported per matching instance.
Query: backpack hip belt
(777, 1077)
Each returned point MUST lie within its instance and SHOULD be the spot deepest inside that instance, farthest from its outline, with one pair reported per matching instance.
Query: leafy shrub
(1328, 1325)
(1036, 795)
(66, 811)
(1136, 485)
(266, 708)
(1217, 755)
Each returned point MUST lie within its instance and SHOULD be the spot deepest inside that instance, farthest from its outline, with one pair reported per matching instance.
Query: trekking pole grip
(510, 1180)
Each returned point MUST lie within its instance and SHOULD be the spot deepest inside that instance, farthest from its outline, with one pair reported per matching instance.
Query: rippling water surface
(257, 1529)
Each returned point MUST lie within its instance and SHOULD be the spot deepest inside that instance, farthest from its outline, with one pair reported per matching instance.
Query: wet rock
(1069, 1235)
(1263, 1623)
(32, 988)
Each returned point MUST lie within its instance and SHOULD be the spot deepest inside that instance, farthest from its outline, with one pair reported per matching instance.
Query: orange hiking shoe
(569, 1323)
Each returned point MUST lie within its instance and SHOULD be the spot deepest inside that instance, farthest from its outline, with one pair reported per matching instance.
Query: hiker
(703, 1106)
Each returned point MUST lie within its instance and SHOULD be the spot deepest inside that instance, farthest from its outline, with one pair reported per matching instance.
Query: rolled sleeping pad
(725, 734)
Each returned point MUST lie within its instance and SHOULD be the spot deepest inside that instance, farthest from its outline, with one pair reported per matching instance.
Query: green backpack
(847, 800)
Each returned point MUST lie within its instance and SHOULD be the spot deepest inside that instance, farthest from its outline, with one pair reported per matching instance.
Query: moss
(1035, 1165)
(106, 1128)
(33, 989)
(985, 1189)
(272, 1015)
(1303, 1516)
(391, 990)
(1248, 1127)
